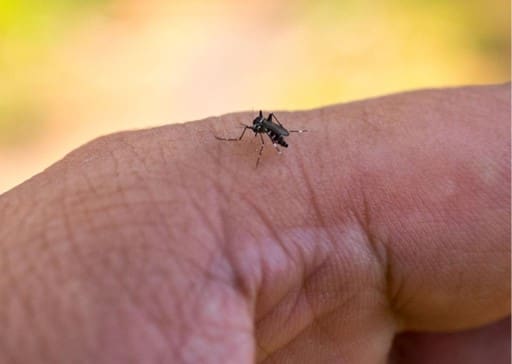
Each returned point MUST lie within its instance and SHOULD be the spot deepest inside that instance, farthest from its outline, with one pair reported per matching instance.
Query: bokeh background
(71, 70)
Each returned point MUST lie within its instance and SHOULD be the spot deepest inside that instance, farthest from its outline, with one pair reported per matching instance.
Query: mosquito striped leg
(261, 150)
(274, 145)
(234, 139)
(271, 115)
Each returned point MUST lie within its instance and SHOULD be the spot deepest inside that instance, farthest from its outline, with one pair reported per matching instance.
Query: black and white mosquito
(274, 130)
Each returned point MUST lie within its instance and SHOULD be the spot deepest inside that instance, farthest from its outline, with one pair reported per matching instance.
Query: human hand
(390, 216)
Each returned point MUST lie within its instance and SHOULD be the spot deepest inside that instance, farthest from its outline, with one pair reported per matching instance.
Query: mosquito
(274, 130)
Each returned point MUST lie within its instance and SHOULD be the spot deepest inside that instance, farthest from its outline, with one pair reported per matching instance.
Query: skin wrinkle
(263, 316)
(25, 301)
(405, 300)
(155, 321)
(304, 330)
(14, 295)
(222, 238)
(30, 269)
(276, 240)
(89, 214)
(81, 253)
(217, 325)
(395, 288)
(401, 300)
(282, 217)
(297, 294)
(119, 250)
(8, 278)
(259, 317)
(9, 252)
(178, 310)
(261, 215)
(108, 208)
(383, 256)
(240, 279)
(297, 301)
(212, 279)
(152, 197)
(317, 209)
(269, 351)
(378, 249)
(322, 222)
(436, 213)
(270, 228)
(222, 251)
(151, 318)
(68, 229)
(197, 208)
(309, 298)
(201, 213)
(136, 172)
(317, 316)
(312, 196)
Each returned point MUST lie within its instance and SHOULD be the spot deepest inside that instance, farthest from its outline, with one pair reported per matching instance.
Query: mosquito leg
(270, 116)
(234, 139)
(274, 145)
(277, 148)
(261, 150)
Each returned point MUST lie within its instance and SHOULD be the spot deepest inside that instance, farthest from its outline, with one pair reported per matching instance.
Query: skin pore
(390, 216)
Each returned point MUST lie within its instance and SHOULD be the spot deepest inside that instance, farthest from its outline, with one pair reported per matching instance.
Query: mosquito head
(258, 119)
(258, 127)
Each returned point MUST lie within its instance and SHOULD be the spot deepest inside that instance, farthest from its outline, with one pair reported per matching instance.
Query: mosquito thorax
(275, 131)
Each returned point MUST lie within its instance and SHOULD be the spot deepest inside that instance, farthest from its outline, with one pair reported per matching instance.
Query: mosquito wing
(277, 129)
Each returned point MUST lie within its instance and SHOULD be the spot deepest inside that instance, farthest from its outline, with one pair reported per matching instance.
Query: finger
(487, 344)
(424, 176)
(441, 216)
(391, 213)
(422, 181)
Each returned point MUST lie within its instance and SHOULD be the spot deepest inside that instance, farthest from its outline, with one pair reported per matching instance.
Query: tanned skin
(381, 234)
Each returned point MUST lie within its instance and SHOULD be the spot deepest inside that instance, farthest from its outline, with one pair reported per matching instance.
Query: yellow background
(74, 70)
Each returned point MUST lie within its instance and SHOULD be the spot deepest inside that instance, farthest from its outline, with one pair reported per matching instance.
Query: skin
(381, 234)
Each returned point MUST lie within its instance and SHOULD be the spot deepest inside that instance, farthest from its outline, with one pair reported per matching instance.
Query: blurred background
(71, 70)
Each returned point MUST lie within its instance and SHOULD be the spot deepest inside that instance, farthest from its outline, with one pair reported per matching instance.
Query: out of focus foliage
(70, 70)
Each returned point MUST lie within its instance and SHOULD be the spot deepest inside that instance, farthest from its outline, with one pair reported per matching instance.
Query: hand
(381, 233)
